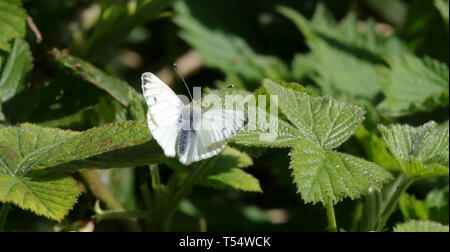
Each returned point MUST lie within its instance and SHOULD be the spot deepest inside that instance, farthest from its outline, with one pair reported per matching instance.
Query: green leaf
(421, 226)
(18, 65)
(26, 150)
(224, 172)
(325, 121)
(321, 174)
(120, 90)
(117, 22)
(12, 22)
(413, 208)
(115, 87)
(376, 149)
(442, 6)
(47, 194)
(421, 151)
(437, 204)
(415, 84)
(227, 52)
(343, 60)
(32, 147)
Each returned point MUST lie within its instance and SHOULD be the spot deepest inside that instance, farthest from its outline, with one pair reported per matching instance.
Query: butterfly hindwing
(217, 125)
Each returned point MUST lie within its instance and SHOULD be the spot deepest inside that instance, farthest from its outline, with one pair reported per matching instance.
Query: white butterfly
(171, 123)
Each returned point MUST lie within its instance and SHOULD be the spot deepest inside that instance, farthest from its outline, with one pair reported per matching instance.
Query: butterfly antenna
(181, 76)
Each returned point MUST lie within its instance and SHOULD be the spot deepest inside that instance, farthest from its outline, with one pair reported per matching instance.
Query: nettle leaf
(224, 172)
(415, 84)
(241, 64)
(12, 22)
(323, 124)
(27, 150)
(343, 60)
(14, 73)
(421, 226)
(421, 151)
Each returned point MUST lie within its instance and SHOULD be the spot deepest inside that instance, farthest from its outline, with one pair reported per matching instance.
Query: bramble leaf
(322, 174)
(421, 226)
(48, 194)
(27, 152)
(343, 60)
(415, 85)
(224, 172)
(12, 22)
(421, 151)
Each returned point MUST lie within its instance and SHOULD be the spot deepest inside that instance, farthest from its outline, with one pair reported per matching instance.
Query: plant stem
(184, 190)
(392, 197)
(4, 215)
(332, 225)
(371, 211)
(99, 190)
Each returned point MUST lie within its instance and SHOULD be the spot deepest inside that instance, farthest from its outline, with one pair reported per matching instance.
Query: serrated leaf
(322, 176)
(12, 22)
(415, 84)
(327, 122)
(343, 60)
(225, 172)
(235, 57)
(32, 147)
(421, 226)
(26, 150)
(13, 75)
(48, 194)
(421, 151)
(119, 90)
(115, 87)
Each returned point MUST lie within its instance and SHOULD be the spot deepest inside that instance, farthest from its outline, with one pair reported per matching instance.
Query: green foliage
(421, 226)
(434, 207)
(116, 88)
(421, 151)
(321, 174)
(14, 73)
(12, 22)
(415, 85)
(28, 149)
(224, 172)
(229, 53)
(343, 60)
(116, 22)
(442, 6)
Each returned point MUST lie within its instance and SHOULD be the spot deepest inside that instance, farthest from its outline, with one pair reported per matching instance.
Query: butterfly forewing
(164, 110)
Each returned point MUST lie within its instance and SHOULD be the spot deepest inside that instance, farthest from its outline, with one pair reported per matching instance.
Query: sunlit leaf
(415, 85)
(421, 226)
(14, 73)
(421, 151)
(12, 22)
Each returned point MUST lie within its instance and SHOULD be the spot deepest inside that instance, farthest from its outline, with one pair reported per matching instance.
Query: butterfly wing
(217, 126)
(164, 110)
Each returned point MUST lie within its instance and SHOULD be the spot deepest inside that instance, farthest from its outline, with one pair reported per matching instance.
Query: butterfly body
(184, 131)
